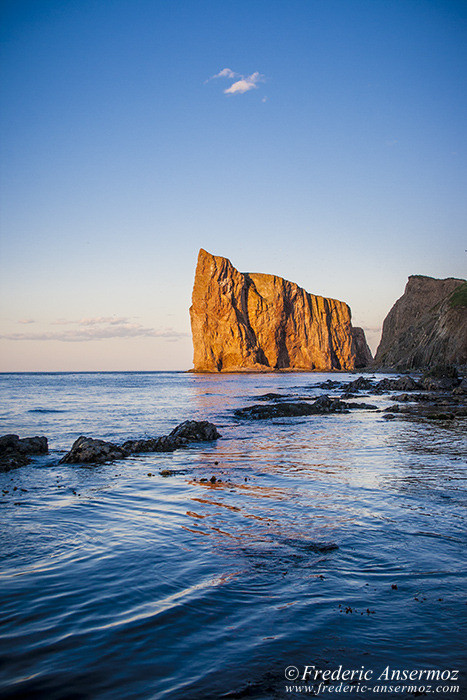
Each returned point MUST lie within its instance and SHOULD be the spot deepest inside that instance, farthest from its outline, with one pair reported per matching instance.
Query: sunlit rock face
(258, 322)
(426, 326)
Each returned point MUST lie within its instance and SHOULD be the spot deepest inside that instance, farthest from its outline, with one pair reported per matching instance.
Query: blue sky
(338, 161)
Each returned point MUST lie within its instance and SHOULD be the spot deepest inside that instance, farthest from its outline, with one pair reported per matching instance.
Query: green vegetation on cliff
(459, 296)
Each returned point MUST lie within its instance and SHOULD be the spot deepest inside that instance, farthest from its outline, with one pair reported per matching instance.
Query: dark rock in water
(389, 416)
(8, 442)
(14, 450)
(360, 384)
(400, 384)
(160, 444)
(87, 450)
(440, 383)
(269, 397)
(381, 387)
(285, 409)
(278, 410)
(195, 431)
(324, 546)
(439, 416)
(325, 404)
(362, 406)
(322, 405)
(406, 384)
(189, 431)
(328, 384)
(27, 446)
(13, 460)
(310, 545)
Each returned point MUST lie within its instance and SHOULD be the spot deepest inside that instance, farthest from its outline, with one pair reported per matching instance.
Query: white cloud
(225, 73)
(244, 84)
(26, 320)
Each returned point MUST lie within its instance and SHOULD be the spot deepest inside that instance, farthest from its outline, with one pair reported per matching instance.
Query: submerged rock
(14, 450)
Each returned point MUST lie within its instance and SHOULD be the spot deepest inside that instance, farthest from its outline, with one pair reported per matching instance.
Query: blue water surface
(325, 541)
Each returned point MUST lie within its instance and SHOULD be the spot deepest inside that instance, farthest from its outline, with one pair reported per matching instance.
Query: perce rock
(426, 326)
(259, 322)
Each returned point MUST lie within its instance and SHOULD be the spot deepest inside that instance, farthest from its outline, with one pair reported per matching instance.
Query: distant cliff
(257, 322)
(426, 326)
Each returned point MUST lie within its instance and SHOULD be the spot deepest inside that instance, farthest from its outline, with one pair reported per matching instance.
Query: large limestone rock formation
(257, 322)
(426, 326)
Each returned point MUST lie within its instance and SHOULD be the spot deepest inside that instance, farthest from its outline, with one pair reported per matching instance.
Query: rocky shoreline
(438, 394)
(15, 452)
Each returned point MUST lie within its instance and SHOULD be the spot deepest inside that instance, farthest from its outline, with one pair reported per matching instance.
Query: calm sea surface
(117, 582)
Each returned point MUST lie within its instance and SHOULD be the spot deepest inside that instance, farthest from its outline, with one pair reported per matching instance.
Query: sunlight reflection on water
(119, 583)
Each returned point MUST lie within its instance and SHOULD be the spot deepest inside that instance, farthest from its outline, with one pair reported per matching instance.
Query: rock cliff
(426, 326)
(363, 354)
(258, 322)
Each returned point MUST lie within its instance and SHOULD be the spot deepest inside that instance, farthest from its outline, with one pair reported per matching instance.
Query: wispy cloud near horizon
(245, 83)
(101, 328)
(98, 320)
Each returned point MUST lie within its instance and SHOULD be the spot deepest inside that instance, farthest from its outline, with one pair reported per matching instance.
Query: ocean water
(326, 544)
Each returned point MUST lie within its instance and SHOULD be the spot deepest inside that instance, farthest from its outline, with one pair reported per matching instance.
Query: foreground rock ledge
(259, 322)
(87, 450)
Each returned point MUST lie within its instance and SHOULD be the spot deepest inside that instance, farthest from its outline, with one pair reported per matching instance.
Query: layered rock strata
(259, 322)
(426, 326)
